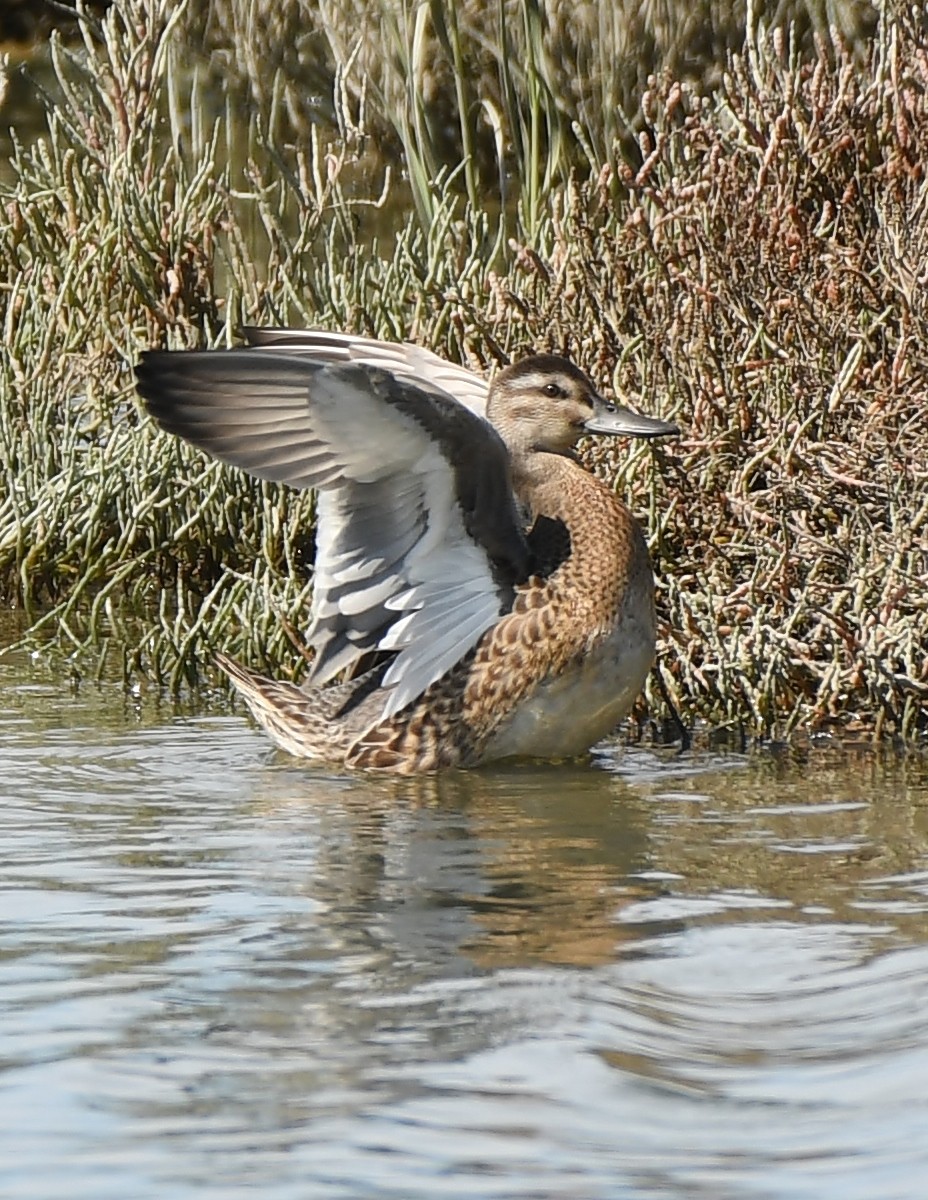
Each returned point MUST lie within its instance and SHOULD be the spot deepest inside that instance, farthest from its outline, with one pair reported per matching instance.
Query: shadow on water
(223, 974)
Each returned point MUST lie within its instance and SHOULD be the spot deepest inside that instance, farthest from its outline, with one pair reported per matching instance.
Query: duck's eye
(554, 390)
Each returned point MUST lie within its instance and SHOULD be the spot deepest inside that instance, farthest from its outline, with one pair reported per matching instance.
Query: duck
(478, 595)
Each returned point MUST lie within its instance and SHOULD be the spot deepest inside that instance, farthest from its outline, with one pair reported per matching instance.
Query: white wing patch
(424, 588)
(442, 622)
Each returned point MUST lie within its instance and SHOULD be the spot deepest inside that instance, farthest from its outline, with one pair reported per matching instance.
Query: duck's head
(545, 403)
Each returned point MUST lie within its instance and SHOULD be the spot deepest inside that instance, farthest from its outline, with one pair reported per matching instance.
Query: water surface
(657, 976)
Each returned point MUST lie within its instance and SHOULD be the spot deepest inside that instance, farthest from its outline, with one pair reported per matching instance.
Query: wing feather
(410, 558)
(402, 359)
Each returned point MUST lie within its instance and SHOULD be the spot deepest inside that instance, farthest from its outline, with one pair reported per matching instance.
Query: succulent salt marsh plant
(754, 270)
(518, 93)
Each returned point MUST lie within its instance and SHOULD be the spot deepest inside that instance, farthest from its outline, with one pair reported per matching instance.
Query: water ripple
(222, 975)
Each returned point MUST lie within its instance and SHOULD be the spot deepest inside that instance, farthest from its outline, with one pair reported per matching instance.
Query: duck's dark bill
(622, 421)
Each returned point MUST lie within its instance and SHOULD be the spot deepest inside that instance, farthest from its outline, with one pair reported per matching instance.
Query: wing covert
(403, 359)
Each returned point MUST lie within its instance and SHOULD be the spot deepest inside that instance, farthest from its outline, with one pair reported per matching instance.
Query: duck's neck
(535, 476)
(608, 555)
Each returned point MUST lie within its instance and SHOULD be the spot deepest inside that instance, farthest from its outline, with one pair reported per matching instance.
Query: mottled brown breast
(555, 623)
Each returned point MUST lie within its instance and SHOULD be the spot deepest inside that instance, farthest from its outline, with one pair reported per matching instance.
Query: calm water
(659, 977)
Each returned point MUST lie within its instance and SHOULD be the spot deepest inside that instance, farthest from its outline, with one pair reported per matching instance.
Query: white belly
(567, 714)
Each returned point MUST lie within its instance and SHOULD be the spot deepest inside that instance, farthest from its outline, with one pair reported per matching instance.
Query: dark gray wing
(418, 539)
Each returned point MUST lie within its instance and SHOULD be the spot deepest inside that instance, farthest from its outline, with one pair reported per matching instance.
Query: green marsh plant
(751, 263)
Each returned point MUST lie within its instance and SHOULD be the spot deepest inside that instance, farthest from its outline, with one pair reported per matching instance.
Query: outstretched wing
(403, 359)
(418, 542)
